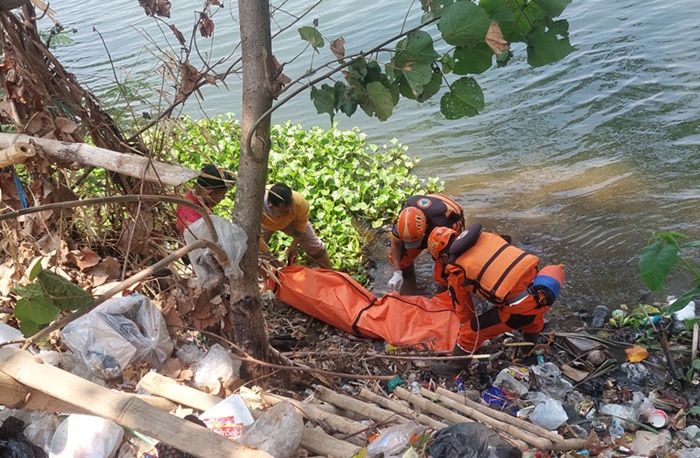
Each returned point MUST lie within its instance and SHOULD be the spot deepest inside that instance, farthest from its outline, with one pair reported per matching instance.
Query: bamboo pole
(132, 165)
(311, 439)
(364, 409)
(401, 409)
(124, 410)
(427, 406)
(16, 154)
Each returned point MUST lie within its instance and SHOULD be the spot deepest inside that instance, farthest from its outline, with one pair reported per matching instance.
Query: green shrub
(350, 185)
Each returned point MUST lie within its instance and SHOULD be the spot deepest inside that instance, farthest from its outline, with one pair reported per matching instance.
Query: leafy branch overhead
(476, 32)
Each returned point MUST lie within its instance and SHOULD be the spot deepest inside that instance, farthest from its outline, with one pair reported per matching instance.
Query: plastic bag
(549, 414)
(277, 431)
(216, 369)
(507, 379)
(85, 436)
(232, 239)
(228, 418)
(40, 429)
(394, 439)
(470, 440)
(120, 331)
(548, 379)
(8, 334)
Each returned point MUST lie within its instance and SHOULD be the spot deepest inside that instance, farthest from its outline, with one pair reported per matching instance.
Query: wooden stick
(17, 396)
(124, 410)
(427, 406)
(353, 405)
(132, 165)
(541, 443)
(311, 439)
(696, 342)
(16, 154)
(401, 409)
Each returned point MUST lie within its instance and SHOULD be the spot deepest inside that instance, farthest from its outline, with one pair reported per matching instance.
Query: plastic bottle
(600, 316)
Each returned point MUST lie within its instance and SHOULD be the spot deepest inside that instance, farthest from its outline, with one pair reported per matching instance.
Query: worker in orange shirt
(409, 235)
(486, 264)
(287, 211)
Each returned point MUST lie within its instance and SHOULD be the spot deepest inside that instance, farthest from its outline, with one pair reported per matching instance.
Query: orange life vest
(493, 267)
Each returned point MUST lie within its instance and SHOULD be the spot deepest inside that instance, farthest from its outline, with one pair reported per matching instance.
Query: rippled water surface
(580, 161)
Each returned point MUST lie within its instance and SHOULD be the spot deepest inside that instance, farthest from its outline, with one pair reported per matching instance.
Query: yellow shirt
(297, 217)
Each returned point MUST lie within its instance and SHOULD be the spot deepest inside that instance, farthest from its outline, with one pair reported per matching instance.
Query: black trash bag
(470, 440)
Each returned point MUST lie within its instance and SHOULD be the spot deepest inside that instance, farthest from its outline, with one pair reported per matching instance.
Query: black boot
(450, 367)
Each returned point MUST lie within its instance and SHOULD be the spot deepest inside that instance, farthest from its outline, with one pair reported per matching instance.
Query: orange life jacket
(493, 267)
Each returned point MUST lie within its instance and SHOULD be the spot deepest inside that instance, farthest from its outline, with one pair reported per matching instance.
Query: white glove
(396, 281)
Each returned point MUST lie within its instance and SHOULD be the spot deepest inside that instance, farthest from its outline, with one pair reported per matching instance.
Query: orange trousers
(525, 316)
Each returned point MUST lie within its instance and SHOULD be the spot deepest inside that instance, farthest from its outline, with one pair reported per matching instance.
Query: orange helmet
(411, 225)
(439, 239)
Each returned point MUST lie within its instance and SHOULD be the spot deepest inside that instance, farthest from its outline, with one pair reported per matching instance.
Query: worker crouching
(486, 264)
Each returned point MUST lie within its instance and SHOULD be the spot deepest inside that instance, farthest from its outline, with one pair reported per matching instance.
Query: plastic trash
(512, 379)
(40, 429)
(120, 331)
(415, 387)
(620, 412)
(228, 418)
(635, 372)
(600, 316)
(470, 440)
(549, 414)
(277, 431)
(232, 239)
(86, 436)
(692, 434)
(189, 354)
(496, 398)
(8, 334)
(13, 443)
(616, 430)
(647, 443)
(215, 370)
(394, 439)
(548, 379)
(686, 313)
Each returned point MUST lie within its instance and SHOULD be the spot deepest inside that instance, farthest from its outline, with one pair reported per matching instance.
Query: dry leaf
(214, 2)
(338, 47)
(65, 125)
(109, 268)
(206, 25)
(189, 79)
(39, 124)
(180, 37)
(86, 258)
(185, 375)
(156, 7)
(495, 39)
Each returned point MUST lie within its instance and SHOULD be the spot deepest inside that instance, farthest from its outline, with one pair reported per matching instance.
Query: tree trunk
(246, 314)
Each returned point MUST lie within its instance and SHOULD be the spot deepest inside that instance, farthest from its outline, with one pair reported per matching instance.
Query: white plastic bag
(120, 331)
(394, 439)
(549, 414)
(216, 369)
(277, 431)
(40, 429)
(8, 334)
(232, 239)
(85, 436)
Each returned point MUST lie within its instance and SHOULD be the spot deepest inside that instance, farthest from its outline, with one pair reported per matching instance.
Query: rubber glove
(396, 281)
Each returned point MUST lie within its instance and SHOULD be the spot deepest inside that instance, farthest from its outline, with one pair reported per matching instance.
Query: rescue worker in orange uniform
(486, 264)
(409, 235)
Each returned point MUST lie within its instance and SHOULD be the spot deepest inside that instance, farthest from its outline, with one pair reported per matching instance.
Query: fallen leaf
(180, 37)
(65, 125)
(86, 258)
(206, 25)
(185, 375)
(495, 39)
(338, 47)
(108, 269)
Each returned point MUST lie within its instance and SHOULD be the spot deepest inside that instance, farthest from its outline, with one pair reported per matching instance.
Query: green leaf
(516, 17)
(35, 268)
(464, 23)
(417, 76)
(38, 309)
(64, 294)
(29, 328)
(655, 263)
(464, 99)
(695, 410)
(682, 301)
(545, 47)
(432, 88)
(312, 36)
(344, 100)
(29, 291)
(324, 99)
(380, 100)
(448, 64)
(416, 47)
(472, 59)
(553, 8)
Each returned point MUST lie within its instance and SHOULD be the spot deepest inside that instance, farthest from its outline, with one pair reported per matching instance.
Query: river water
(579, 161)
